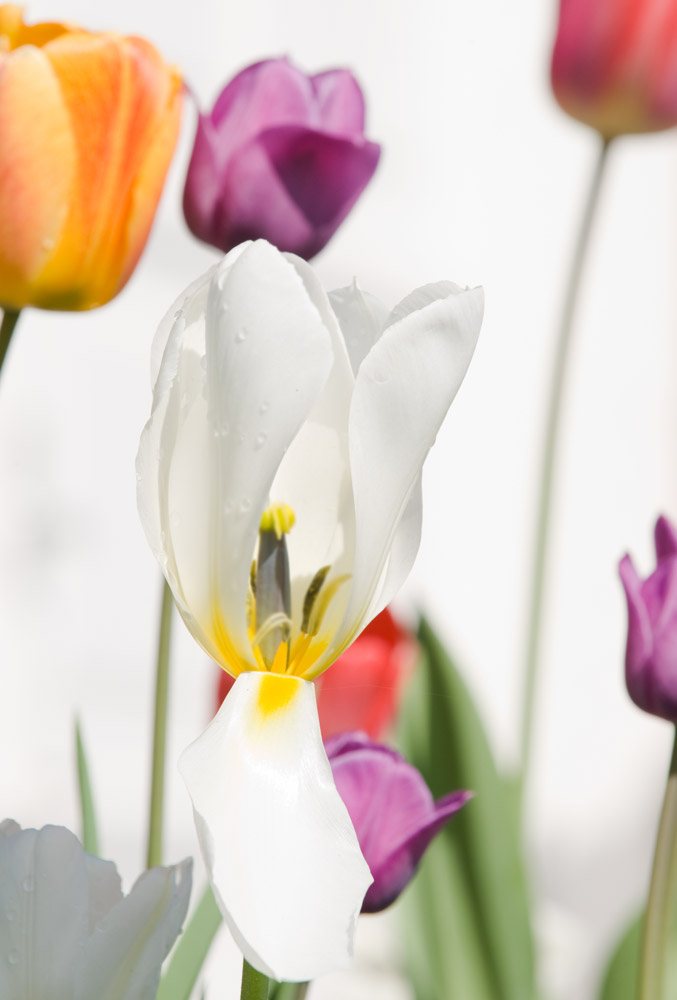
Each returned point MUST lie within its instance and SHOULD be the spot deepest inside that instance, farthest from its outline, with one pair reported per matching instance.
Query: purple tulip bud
(651, 654)
(392, 810)
(282, 156)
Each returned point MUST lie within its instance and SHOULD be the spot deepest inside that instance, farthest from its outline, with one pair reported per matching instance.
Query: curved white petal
(125, 953)
(104, 889)
(277, 840)
(314, 476)
(403, 390)
(233, 390)
(362, 318)
(43, 913)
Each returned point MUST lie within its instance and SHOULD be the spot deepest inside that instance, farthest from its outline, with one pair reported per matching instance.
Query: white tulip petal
(403, 551)
(268, 357)
(43, 913)
(403, 390)
(104, 888)
(218, 432)
(314, 476)
(131, 942)
(277, 840)
(362, 318)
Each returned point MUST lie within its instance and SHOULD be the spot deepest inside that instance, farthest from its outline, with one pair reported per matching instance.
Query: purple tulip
(392, 810)
(282, 156)
(651, 654)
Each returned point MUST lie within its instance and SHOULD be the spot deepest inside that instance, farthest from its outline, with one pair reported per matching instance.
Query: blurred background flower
(392, 810)
(613, 64)
(89, 123)
(651, 653)
(282, 155)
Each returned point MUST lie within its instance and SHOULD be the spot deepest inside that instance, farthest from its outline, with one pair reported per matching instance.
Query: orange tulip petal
(36, 170)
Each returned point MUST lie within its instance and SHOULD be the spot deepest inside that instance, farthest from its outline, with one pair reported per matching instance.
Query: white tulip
(279, 485)
(66, 930)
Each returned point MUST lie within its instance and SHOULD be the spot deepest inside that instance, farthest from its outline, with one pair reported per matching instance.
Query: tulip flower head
(282, 156)
(279, 485)
(67, 931)
(392, 810)
(613, 64)
(651, 652)
(89, 123)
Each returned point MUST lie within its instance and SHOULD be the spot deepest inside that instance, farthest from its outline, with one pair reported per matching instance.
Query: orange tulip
(88, 125)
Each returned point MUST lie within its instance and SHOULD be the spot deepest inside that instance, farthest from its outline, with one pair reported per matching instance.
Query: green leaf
(467, 916)
(622, 974)
(90, 838)
(191, 950)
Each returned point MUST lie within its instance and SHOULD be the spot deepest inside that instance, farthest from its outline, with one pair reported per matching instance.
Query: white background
(481, 181)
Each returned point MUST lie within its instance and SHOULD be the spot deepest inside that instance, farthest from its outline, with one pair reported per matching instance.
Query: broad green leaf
(467, 912)
(90, 838)
(191, 950)
(622, 974)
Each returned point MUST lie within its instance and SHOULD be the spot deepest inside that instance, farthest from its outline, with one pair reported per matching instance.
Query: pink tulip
(614, 64)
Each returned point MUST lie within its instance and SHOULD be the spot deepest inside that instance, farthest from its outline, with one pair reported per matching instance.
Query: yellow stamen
(279, 517)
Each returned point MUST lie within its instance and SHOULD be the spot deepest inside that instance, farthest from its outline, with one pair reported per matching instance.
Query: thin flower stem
(254, 983)
(10, 318)
(301, 991)
(157, 792)
(558, 379)
(662, 895)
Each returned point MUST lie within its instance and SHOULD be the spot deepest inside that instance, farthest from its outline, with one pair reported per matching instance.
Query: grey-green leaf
(191, 950)
(90, 837)
(467, 915)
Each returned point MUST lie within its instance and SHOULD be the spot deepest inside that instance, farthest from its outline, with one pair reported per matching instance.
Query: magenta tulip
(282, 156)
(651, 653)
(392, 810)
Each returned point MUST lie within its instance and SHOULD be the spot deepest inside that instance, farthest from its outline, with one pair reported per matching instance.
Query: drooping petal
(361, 317)
(281, 851)
(403, 390)
(43, 912)
(125, 953)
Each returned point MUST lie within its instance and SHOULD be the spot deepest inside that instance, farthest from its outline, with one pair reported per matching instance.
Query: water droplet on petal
(47, 243)
(241, 335)
(178, 314)
(264, 407)
(13, 957)
(28, 884)
(260, 440)
(227, 508)
(245, 505)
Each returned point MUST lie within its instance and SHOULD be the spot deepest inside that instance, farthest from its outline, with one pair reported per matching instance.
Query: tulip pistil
(272, 608)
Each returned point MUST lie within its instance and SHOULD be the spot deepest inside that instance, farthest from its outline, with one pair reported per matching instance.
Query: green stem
(558, 377)
(157, 792)
(662, 894)
(254, 983)
(10, 318)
